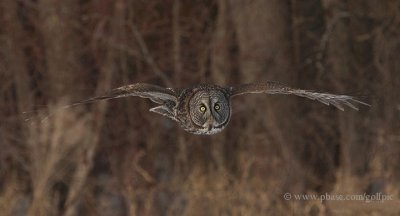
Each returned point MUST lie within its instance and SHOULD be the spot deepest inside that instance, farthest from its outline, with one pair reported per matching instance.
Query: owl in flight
(205, 108)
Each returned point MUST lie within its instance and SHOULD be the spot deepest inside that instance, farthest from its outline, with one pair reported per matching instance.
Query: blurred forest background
(116, 158)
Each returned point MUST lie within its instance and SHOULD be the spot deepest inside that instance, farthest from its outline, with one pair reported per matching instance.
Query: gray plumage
(206, 109)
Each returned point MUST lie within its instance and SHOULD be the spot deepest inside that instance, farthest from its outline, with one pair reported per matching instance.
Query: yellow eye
(217, 107)
(203, 108)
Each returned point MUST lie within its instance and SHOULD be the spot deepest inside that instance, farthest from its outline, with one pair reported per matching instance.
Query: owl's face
(210, 111)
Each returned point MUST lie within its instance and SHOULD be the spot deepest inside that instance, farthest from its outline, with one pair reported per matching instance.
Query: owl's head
(210, 111)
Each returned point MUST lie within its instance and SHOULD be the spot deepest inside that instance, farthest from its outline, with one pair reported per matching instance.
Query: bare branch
(147, 56)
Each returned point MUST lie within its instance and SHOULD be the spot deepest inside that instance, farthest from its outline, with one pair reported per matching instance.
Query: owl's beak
(210, 127)
(209, 124)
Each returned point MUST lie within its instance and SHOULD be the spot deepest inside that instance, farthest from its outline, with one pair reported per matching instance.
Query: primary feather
(270, 87)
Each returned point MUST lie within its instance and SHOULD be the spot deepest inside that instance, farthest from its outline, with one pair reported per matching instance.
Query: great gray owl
(205, 108)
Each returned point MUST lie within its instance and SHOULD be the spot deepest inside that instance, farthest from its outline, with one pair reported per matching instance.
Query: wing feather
(271, 87)
(155, 93)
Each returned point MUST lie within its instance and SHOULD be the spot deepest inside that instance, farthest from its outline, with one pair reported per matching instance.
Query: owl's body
(206, 109)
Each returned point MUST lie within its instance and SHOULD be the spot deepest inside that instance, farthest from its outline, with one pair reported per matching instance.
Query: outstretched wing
(155, 93)
(270, 87)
